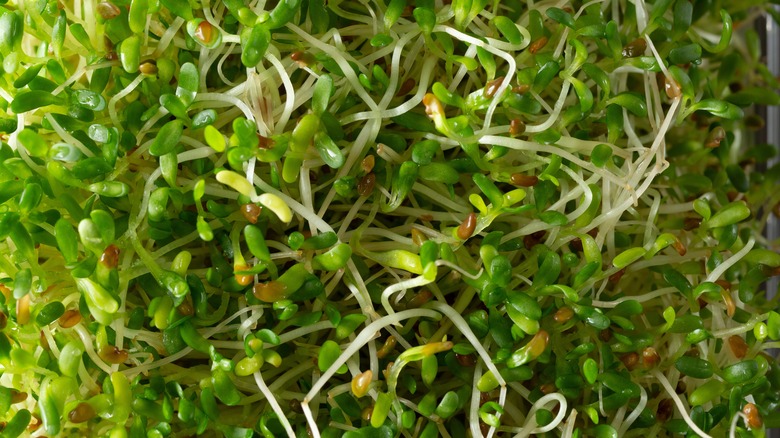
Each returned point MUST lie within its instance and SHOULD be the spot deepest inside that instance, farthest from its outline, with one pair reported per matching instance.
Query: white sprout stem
(368, 133)
(351, 214)
(304, 185)
(7, 97)
(680, 406)
(80, 70)
(651, 216)
(13, 141)
(618, 417)
(130, 372)
(582, 146)
(734, 421)
(541, 101)
(166, 38)
(388, 234)
(226, 98)
(337, 56)
(463, 326)
(388, 154)
(554, 115)
(274, 404)
(511, 67)
(626, 198)
(259, 103)
(304, 93)
(295, 206)
(474, 403)
(636, 412)
(666, 259)
(660, 140)
(362, 338)
(587, 195)
(568, 431)
(280, 381)
(201, 150)
(641, 15)
(425, 78)
(289, 90)
(742, 328)
(86, 340)
(658, 58)
(119, 323)
(440, 198)
(182, 157)
(161, 112)
(721, 269)
(460, 270)
(119, 96)
(248, 323)
(401, 286)
(360, 292)
(529, 428)
(89, 19)
(396, 64)
(523, 145)
(640, 298)
(67, 137)
(303, 331)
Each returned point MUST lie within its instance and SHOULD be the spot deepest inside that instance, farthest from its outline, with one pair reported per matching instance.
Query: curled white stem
(680, 406)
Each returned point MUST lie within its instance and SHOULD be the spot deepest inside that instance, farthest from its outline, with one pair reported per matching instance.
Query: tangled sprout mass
(386, 218)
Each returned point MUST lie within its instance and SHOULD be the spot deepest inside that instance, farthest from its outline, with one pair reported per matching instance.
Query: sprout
(509, 218)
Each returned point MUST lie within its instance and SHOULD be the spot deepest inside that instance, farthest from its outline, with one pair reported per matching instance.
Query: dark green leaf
(30, 100)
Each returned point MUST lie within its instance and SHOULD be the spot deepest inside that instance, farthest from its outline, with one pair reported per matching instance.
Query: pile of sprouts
(391, 218)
